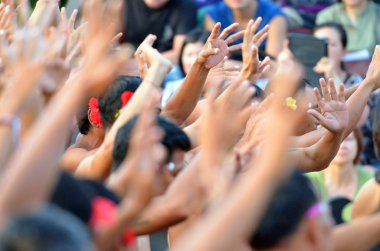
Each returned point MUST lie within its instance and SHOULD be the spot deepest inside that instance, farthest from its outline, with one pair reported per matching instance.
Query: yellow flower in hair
(291, 103)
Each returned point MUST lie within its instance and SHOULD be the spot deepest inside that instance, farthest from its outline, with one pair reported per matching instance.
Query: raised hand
(217, 45)
(26, 56)
(229, 113)
(146, 56)
(7, 21)
(253, 68)
(100, 64)
(269, 113)
(333, 113)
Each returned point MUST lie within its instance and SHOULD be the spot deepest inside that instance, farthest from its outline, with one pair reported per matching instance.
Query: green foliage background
(62, 2)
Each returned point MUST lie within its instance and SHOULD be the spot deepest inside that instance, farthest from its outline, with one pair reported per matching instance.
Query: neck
(340, 174)
(93, 139)
(353, 11)
(243, 15)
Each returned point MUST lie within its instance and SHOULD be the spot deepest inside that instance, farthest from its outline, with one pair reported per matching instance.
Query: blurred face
(237, 4)
(347, 150)
(190, 54)
(155, 4)
(354, 3)
(335, 47)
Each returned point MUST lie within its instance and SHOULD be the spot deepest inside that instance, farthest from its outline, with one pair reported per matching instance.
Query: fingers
(317, 115)
(72, 19)
(318, 99)
(332, 89)
(235, 37)
(215, 31)
(260, 36)
(150, 39)
(341, 96)
(236, 47)
(209, 52)
(227, 31)
(325, 91)
(247, 33)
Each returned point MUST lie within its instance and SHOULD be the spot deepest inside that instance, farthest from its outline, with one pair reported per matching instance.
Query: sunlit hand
(253, 68)
(217, 45)
(333, 113)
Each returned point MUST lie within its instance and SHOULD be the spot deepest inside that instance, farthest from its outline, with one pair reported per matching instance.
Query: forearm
(33, 169)
(99, 166)
(175, 206)
(152, 80)
(307, 139)
(356, 104)
(319, 156)
(343, 235)
(237, 212)
(182, 104)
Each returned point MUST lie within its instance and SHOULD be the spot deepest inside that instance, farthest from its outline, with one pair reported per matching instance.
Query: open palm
(333, 113)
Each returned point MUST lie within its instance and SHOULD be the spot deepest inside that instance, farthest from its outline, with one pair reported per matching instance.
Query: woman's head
(237, 4)
(336, 38)
(194, 42)
(350, 149)
(294, 220)
(155, 4)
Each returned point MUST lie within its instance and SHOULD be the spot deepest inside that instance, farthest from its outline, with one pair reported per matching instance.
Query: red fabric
(103, 213)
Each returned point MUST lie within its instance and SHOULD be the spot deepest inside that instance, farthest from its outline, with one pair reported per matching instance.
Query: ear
(93, 124)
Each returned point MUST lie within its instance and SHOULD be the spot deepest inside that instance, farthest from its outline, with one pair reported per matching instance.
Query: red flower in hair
(94, 112)
(125, 97)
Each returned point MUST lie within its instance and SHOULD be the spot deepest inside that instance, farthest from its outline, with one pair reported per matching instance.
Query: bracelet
(15, 124)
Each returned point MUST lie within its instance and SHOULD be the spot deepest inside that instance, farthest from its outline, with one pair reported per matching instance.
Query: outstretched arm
(98, 166)
(181, 105)
(33, 169)
(333, 116)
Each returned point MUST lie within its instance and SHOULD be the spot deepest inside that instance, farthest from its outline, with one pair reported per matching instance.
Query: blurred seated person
(332, 65)
(230, 11)
(360, 19)
(202, 3)
(302, 14)
(169, 20)
(342, 180)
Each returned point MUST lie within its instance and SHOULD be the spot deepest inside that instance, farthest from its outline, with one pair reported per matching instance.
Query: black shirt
(177, 17)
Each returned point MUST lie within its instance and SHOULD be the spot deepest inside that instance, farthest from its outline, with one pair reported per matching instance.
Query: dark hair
(359, 141)
(376, 126)
(111, 102)
(194, 36)
(338, 27)
(83, 123)
(49, 229)
(286, 209)
(174, 138)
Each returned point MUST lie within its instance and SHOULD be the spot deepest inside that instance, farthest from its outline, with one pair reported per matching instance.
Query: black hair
(49, 229)
(338, 27)
(83, 123)
(194, 36)
(376, 126)
(174, 138)
(110, 103)
(286, 209)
